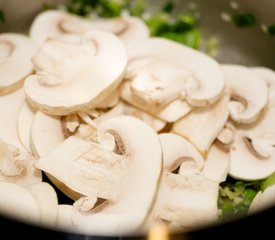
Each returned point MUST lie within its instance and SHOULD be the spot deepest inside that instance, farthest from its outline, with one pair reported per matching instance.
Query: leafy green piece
(137, 7)
(244, 20)
(2, 17)
(268, 182)
(235, 197)
(157, 23)
(168, 7)
(185, 22)
(110, 8)
(271, 30)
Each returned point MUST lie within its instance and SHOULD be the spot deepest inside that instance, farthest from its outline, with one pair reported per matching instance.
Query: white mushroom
(71, 72)
(269, 76)
(216, 165)
(18, 203)
(249, 93)
(110, 101)
(24, 122)
(54, 23)
(169, 113)
(131, 30)
(9, 115)
(46, 198)
(16, 166)
(64, 216)
(172, 71)
(252, 154)
(203, 125)
(263, 200)
(95, 171)
(16, 51)
(188, 198)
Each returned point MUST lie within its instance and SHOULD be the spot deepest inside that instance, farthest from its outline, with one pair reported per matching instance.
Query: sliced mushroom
(9, 115)
(269, 76)
(46, 198)
(73, 65)
(24, 123)
(131, 30)
(18, 203)
(171, 71)
(203, 125)
(252, 154)
(95, 171)
(216, 165)
(17, 167)
(263, 200)
(187, 199)
(64, 216)
(249, 93)
(55, 23)
(170, 113)
(16, 52)
(110, 101)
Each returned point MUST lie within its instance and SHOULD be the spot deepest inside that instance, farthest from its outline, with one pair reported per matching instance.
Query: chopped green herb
(235, 197)
(244, 20)
(168, 7)
(137, 7)
(268, 182)
(271, 30)
(2, 17)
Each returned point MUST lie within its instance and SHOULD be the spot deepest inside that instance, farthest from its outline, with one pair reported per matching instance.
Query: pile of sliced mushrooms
(134, 129)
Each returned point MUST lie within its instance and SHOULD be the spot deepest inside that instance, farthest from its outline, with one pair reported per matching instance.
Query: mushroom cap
(142, 152)
(72, 72)
(249, 93)
(9, 115)
(55, 23)
(18, 203)
(16, 52)
(203, 77)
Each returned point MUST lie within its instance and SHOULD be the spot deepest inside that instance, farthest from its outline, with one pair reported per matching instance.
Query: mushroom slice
(252, 154)
(110, 101)
(131, 30)
(177, 150)
(55, 23)
(216, 165)
(123, 108)
(18, 203)
(64, 216)
(174, 70)
(95, 171)
(16, 166)
(46, 198)
(198, 195)
(269, 76)
(24, 123)
(16, 52)
(203, 125)
(9, 115)
(71, 72)
(170, 113)
(263, 200)
(249, 93)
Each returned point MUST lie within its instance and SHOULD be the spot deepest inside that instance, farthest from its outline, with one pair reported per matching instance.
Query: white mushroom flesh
(16, 51)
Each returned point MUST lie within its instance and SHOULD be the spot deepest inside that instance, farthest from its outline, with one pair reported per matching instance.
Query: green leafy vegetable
(271, 30)
(244, 20)
(268, 182)
(168, 7)
(2, 17)
(137, 7)
(235, 197)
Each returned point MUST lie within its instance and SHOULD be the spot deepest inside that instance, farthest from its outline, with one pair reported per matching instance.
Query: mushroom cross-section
(249, 93)
(16, 51)
(252, 154)
(71, 72)
(187, 199)
(170, 71)
(111, 169)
